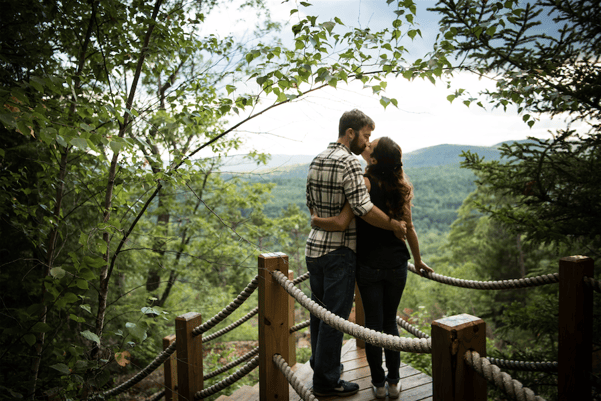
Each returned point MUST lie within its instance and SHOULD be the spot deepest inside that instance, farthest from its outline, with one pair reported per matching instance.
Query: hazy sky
(423, 118)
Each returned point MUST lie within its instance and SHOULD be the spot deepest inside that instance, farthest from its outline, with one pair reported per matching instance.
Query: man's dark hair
(355, 119)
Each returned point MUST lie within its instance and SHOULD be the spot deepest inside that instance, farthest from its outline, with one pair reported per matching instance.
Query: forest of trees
(111, 224)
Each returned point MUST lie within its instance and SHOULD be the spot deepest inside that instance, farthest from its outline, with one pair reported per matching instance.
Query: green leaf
(90, 336)
(36, 86)
(40, 327)
(81, 143)
(30, 339)
(86, 127)
(136, 330)
(86, 308)
(68, 298)
(83, 284)
(61, 367)
(116, 146)
(57, 272)
(76, 318)
(148, 311)
(230, 88)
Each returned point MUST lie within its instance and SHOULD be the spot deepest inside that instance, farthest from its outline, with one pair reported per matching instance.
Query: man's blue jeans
(332, 278)
(381, 292)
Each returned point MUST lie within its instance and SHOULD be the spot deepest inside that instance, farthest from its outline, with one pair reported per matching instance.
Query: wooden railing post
(575, 328)
(359, 314)
(189, 356)
(292, 339)
(274, 329)
(170, 372)
(453, 380)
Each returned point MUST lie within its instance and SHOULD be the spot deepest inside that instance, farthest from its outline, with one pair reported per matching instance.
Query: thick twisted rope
(228, 381)
(232, 364)
(156, 396)
(490, 285)
(158, 361)
(294, 381)
(410, 328)
(162, 357)
(525, 366)
(592, 283)
(300, 326)
(373, 337)
(228, 310)
(300, 279)
(231, 326)
(502, 380)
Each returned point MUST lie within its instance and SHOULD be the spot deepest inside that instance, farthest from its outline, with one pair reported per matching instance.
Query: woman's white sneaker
(379, 392)
(394, 390)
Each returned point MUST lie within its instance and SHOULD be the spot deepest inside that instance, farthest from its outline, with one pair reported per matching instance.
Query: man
(335, 177)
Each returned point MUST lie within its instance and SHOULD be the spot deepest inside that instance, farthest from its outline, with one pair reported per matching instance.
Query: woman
(382, 257)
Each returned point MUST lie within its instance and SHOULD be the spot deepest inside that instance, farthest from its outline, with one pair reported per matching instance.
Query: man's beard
(355, 148)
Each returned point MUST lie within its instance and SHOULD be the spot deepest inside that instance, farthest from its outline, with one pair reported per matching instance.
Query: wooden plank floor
(416, 386)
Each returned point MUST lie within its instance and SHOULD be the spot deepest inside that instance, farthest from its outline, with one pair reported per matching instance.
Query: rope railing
(232, 364)
(300, 326)
(228, 381)
(524, 366)
(410, 328)
(592, 283)
(502, 363)
(294, 381)
(371, 336)
(228, 310)
(162, 357)
(156, 396)
(231, 326)
(500, 379)
(300, 279)
(158, 361)
(490, 285)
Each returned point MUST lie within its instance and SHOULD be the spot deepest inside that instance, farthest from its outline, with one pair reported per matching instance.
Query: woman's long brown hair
(390, 176)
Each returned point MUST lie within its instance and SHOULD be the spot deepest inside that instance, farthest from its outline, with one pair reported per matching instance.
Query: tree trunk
(106, 271)
(60, 192)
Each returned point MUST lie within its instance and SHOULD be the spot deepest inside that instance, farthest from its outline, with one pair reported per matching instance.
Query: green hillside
(440, 184)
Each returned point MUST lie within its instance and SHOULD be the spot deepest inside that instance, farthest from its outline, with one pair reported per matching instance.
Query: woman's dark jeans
(332, 281)
(381, 292)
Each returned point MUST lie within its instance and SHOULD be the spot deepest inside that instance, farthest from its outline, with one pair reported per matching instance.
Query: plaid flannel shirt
(335, 176)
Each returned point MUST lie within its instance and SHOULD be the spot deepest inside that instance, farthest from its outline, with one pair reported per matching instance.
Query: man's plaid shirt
(335, 176)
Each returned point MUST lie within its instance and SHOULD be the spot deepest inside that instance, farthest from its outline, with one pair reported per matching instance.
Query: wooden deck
(416, 386)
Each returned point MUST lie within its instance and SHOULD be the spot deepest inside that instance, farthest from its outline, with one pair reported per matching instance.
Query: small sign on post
(453, 380)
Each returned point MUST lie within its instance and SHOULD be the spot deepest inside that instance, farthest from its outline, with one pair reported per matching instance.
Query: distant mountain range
(426, 157)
